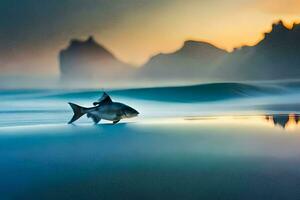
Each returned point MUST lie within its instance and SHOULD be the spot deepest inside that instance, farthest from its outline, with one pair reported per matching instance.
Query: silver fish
(104, 108)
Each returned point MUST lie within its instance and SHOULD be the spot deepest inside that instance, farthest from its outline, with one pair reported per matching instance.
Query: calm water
(246, 147)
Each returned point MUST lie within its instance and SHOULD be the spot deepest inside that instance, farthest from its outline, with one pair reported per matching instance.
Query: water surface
(244, 146)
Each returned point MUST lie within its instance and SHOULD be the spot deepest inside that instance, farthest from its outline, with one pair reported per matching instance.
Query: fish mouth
(133, 113)
(136, 113)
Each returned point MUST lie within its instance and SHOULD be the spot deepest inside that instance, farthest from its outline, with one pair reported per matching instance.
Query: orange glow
(227, 25)
(289, 123)
(135, 35)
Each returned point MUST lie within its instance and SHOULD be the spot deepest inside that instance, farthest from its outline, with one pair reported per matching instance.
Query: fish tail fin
(78, 112)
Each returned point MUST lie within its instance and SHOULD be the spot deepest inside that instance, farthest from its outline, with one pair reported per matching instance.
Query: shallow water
(246, 147)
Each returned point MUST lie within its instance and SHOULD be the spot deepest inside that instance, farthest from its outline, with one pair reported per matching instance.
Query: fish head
(129, 112)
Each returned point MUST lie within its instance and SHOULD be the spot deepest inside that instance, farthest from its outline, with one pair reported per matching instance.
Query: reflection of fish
(104, 108)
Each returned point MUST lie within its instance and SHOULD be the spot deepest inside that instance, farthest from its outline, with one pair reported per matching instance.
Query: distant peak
(77, 42)
(91, 39)
(295, 25)
(193, 43)
(279, 25)
(89, 42)
(279, 29)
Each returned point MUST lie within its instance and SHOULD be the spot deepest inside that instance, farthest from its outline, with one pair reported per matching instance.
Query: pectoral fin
(95, 119)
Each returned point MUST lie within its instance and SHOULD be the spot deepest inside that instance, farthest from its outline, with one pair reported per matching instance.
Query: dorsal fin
(105, 99)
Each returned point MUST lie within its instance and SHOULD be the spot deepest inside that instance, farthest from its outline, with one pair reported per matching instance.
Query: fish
(105, 109)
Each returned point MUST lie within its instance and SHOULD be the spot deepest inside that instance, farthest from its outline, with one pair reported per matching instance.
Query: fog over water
(213, 141)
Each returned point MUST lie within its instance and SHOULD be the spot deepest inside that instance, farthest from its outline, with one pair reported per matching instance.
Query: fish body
(104, 108)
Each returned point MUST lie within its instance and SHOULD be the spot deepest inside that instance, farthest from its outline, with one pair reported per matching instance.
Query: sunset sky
(33, 31)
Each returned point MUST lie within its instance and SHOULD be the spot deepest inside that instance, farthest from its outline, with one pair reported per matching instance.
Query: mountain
(275, 57)
(193, 61)
(88, 60)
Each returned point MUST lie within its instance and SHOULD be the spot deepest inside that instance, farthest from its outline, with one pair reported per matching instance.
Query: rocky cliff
(88, 60)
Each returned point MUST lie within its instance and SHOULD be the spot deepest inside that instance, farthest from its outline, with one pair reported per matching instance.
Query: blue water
(37, 107)
(211, 141)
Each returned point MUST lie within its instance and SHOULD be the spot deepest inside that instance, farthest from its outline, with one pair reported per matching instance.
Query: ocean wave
(194, 93)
